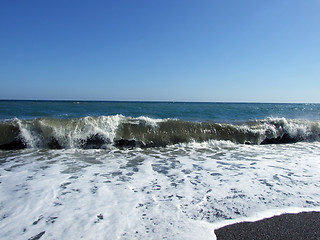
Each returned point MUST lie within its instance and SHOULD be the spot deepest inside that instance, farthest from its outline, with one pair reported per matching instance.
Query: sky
(168, 50)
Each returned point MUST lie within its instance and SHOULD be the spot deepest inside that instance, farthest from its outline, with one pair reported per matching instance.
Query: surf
(98, 132)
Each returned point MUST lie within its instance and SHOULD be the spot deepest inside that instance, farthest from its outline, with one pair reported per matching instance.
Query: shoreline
(302, 225)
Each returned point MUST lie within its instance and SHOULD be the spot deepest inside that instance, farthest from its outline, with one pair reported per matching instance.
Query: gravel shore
(304, 226)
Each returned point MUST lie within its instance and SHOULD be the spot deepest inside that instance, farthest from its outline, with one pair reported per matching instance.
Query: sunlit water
(136, 170)
(177, 192)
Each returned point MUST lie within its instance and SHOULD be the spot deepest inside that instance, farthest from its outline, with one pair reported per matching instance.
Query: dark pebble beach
(304, 226)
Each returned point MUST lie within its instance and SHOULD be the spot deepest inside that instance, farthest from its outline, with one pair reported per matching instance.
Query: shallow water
(181, 191)
(141, 170)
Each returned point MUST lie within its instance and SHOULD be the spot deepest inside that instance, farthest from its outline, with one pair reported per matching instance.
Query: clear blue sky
(174, 50)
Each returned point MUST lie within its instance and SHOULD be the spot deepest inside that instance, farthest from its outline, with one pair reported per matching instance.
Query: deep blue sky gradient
(177, 50)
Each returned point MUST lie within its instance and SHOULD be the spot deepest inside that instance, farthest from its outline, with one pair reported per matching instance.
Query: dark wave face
(120, 131)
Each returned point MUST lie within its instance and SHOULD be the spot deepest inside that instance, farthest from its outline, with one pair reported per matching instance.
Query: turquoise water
(218, 112)
(60, 124)
(142, 170)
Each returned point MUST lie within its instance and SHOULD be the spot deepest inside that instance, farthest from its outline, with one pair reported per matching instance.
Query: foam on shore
(178, 192)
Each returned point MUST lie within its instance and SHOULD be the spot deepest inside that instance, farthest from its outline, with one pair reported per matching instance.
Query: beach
(159, 120)
(299, 226)
(137, 170)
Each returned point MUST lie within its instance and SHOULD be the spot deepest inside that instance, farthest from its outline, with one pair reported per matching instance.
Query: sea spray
(121, 131)
(122, 170)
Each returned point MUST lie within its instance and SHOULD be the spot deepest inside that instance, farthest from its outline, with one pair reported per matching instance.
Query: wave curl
(121, 131)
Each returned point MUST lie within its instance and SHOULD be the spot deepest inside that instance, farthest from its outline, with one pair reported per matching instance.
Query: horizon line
(153, 101)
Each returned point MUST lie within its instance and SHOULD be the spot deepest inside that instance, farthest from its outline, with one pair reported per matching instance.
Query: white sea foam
(294, 127)
(183, 191)
(118, 130)
(151, 121)
(68, 132)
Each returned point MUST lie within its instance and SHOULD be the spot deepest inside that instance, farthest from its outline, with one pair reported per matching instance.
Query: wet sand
(304, 226)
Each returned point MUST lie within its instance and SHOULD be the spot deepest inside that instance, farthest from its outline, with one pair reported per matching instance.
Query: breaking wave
(120, 131)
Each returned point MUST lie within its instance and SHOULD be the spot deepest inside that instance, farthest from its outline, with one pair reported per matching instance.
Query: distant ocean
(152, 170)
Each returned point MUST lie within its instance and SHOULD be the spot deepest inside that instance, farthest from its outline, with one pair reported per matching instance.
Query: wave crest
(120, 131)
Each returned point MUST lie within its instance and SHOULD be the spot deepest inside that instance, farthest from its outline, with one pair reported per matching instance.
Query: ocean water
(152, 170)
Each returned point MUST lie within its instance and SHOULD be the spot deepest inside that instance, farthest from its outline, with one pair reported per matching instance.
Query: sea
(152, 170)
